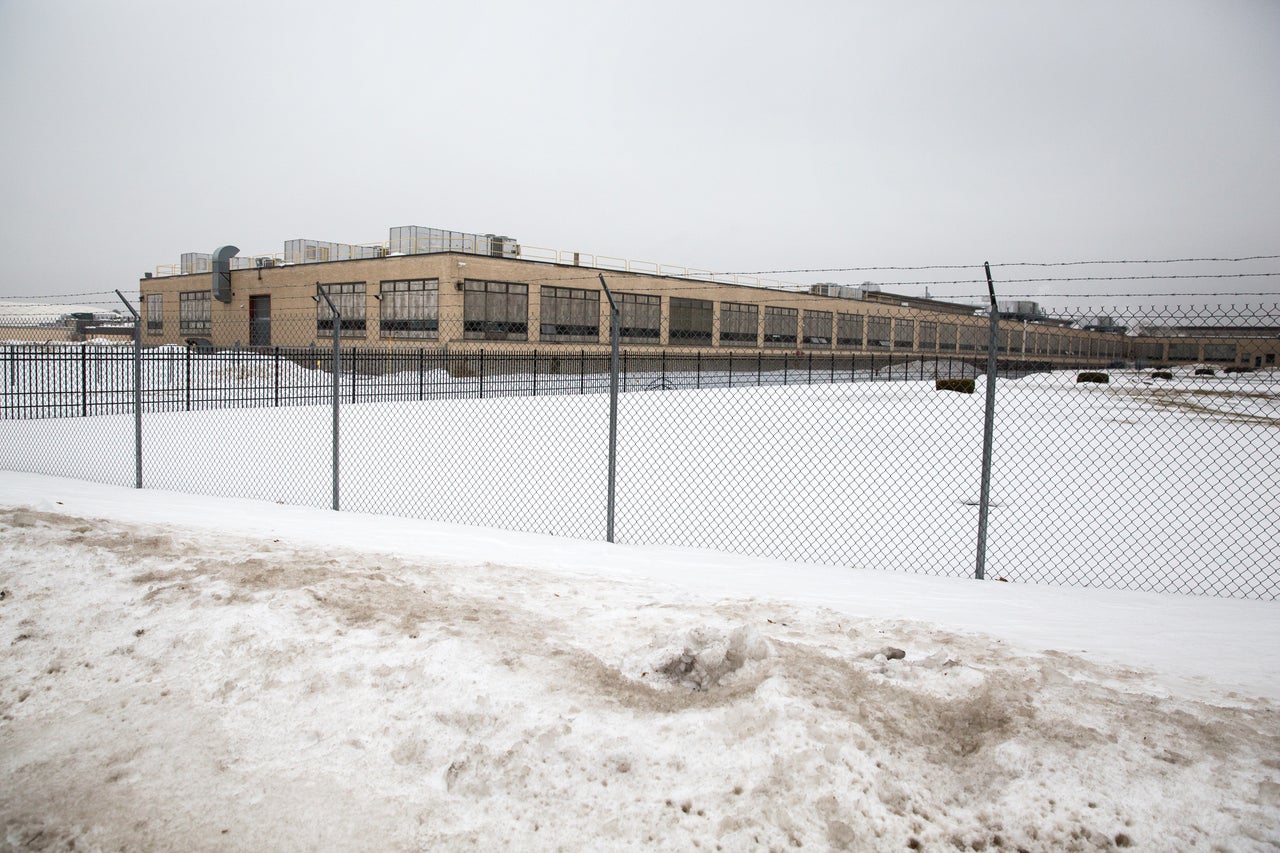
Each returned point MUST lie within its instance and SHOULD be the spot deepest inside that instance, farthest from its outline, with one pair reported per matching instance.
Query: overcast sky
(732, 136)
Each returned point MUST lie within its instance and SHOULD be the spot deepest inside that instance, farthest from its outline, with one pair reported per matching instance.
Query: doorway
(259, 321)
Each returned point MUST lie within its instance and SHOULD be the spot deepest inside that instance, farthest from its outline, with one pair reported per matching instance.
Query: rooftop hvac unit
(839, 291)
(502, 246)
(195, 262)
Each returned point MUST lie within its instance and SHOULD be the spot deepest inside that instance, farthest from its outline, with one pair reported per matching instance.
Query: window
(947, 337)
(348, 298)
(640, 319)
(928, 336)
(155, 314)
(193, 312)
(1149, 350)
(739, 323)
(1183, 352)
(780, 326)
(1005, 341)
(817, 328)
(569, 314)
(969, 338)
(495, 311)
(690, 321)
(409, 308)
(878, 332)
(849, 330)
(904, 333)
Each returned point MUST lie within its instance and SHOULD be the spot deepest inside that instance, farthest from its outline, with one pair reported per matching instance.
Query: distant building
(50, 322)
(428, 287)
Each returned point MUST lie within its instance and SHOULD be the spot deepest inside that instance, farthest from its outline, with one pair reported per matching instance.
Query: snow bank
(242, 682)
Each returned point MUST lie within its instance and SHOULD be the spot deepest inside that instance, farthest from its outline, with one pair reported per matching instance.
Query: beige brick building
(463, 292)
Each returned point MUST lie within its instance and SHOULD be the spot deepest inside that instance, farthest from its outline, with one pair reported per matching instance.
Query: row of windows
(495, 310)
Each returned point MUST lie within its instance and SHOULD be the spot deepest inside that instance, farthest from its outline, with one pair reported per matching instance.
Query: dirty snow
(199, 673)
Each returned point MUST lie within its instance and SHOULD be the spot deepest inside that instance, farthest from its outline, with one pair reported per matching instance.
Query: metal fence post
(137, 392)
(336, 395)
(988, 431)
(84, 380)
(614, 315)
(12, 399)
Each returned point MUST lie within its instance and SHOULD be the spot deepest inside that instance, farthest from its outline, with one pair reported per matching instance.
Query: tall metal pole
(137, 392)
(988, 430)
(613, 404)
(337, 374)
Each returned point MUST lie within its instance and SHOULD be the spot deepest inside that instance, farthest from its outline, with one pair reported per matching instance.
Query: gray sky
(733, 136)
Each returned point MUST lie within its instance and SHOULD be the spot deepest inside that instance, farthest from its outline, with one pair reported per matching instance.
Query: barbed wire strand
(1011, 264)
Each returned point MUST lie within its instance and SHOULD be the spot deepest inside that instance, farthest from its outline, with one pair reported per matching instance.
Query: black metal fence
(84, 380)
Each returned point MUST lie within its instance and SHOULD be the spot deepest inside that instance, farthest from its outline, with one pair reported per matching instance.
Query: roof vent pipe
(222, 272)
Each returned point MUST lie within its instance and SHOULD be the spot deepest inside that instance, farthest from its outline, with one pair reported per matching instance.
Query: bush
(1238, 370)
(963, 386)
(1205, 371)
(1088, 376)
(1161, 374)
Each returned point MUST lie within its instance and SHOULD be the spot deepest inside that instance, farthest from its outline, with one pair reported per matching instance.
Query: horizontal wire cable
(1009, 264)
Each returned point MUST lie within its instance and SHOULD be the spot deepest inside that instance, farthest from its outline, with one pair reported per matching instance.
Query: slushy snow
(200, 673)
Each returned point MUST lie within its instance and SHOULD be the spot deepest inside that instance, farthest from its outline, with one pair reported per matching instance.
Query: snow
(1159, 486)
(217, 673)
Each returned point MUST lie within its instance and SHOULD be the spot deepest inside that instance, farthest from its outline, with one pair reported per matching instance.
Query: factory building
(427, 287)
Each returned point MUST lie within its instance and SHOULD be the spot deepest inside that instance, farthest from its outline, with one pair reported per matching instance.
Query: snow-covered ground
(1160, 485)
(200, 673)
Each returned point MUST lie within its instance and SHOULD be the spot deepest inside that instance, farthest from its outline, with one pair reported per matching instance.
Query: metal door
(259, 321)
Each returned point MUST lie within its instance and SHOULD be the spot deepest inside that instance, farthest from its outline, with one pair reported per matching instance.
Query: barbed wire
(788, 286)
(677, 284)
(1144, 261)
(983, 296)
(44, 297)
(1008, 264)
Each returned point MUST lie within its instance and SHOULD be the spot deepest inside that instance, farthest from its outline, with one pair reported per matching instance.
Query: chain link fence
(1158, 470)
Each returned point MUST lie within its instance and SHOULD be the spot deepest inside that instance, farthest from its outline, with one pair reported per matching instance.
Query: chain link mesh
(1161, 472)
